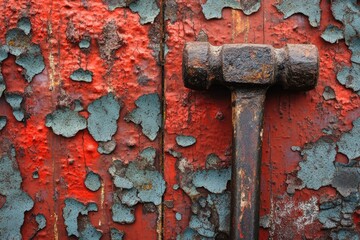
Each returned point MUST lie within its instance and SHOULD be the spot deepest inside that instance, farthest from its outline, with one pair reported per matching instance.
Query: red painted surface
(291, 119)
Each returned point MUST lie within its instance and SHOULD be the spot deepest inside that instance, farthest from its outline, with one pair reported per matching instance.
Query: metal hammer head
(295, 66)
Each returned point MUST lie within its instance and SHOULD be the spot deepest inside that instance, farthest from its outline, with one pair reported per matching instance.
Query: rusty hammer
(248, 70)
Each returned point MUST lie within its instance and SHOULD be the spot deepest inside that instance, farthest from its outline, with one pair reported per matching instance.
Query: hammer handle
(247, 115)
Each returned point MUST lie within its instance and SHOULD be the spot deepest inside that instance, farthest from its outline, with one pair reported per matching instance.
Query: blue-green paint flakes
(3, 121)
(122, 214)
(41, 221)
(147, 9)
(349, 143)
(147, 114)
(102, 121)
(332, 34)
(350, 77)
(310, 8)
(213, 8)
(79, 227)
(92, 181)
(185, 141)
(328, 93)
(15, 101)
(65, 122)
(28, 54)
(318, 168)
(107, 147)
(84, 43)
(213, 180)
(178, 216)
(24, 24)
(116, 234)
(346, 179)
(136, 182)
(17, 201)
(2, 85)
(81, 75)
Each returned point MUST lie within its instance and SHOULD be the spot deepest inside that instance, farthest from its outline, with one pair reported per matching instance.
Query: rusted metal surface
(248, 70)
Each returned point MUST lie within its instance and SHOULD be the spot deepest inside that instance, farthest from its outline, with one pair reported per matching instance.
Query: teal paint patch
(147, 157)
(15, 101)
(65, 122)
(212, 161)
(76, 220)
(84, 43)
(213, 180)
(102, 121)
(147, 114)
(116, 234)
(4, 50)
(2, 85)
(28, 54)
(318, 169)
(24, 24)
(213, 8)
(354, 46)
(221, 202)
(136, 182)
(188, 234)
(185, 141)
(129, 197)
(92, 181)
(332, 34)
(122, 213)
(35, 174)
(349, 143)
(345, 234)
(350, 77)
(81, 75)
(309, 8)
(3, 122)
(41, 221)
(147, 10)
(178, 216)
(346, 179)
(33, 63)
(328, 93)
(339, 211)
(106, 147)
(17, 201)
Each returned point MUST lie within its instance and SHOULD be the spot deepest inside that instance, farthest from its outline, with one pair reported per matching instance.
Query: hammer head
(296, 66)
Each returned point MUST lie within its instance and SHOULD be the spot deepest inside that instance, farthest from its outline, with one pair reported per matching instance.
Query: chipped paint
(338, 212)
(15, 101)
(309, 8)
(65, 122)
(107, 147)
(213, 180)
(28, 54)
(41, 221)
(350, 77)
(104, 113)
(85, 43)
(178, 216)
(116, 234)
(213, 8)
(329, 93)
(349, 143)
(93, 181)
(17, 201)
(136, 182)
(76, 220)
(318, 168)
(346, 179)
(147, 114)
(185, 141)
(3, 121)
(332, 34)
(81, 75)
(147, 9)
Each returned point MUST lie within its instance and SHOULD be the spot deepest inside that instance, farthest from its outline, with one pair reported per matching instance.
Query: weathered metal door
(100, 139)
